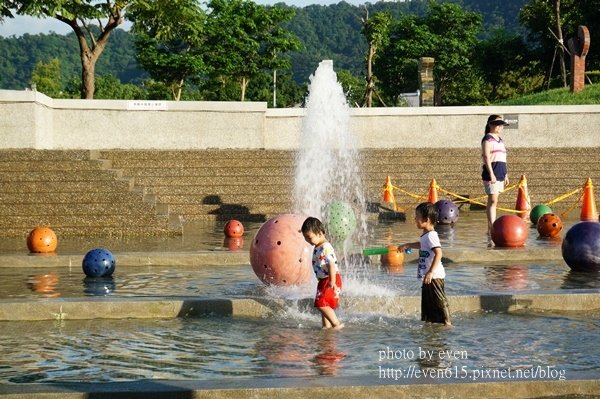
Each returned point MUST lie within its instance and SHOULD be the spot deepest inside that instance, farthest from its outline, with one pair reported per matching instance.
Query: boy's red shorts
(327, 296)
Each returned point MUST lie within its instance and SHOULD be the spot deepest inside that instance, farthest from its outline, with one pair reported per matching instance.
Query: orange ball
(394, 257)
(509, 231)
(233, 229)
(549, 225)
(42, 240)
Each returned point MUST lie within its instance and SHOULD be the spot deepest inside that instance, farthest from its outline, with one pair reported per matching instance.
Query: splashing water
(328, 164)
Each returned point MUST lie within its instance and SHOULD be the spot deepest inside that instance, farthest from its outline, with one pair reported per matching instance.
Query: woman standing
(495, 173)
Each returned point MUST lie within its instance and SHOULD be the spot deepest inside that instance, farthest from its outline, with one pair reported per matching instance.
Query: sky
(22, 24)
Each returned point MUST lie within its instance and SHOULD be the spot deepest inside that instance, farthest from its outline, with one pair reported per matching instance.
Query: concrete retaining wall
(168, 308)
(29, 119)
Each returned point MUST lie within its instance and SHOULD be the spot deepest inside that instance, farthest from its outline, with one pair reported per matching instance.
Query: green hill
(590, 95)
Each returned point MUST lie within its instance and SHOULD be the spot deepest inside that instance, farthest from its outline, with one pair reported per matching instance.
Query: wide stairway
(129, 192)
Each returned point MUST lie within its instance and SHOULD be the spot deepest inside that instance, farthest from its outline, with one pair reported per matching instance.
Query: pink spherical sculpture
(279, 255)
(509, 231)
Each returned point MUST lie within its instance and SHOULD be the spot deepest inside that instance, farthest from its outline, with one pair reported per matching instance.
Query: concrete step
(95, 231)
(53, 165)
(91, 187)
(203, 162)
(44, 155)
(222, 172)
(81, 221)
(69, 197)
(128, 209)
(254, 208)
(183, 155)
(60, 176)
(82, 192)
(258, 197)
(212, 181)
(216, 190)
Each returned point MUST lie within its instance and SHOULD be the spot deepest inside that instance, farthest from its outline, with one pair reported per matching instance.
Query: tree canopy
(79, 14)
(229, 49)
(243, 39)
(447, 33)
(169, 38)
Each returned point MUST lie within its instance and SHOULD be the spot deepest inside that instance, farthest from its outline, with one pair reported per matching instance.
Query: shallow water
(294, 346)
(240, 281)
(548, 345)
(468, 233)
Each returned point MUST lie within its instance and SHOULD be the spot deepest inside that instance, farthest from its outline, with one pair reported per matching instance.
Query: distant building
(411, 99)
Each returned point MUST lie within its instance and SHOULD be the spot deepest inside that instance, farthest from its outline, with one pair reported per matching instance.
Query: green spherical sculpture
(537, 212)
(340, 220)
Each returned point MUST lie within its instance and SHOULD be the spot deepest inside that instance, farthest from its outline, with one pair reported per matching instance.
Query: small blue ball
(98, 262)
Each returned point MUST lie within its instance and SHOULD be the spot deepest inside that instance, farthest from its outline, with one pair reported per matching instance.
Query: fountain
(327, 164)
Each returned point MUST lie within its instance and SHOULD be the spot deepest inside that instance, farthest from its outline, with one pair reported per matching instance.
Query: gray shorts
(495, 188)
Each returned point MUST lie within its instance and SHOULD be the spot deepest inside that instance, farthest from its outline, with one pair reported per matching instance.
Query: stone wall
(29, 119)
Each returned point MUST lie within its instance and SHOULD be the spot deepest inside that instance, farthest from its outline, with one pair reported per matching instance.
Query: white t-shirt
(322, 256)
(429, 241)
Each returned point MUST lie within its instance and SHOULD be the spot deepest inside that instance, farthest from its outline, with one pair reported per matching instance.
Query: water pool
(290, 344)
(468, 233)
(240, 281)
(294, 346)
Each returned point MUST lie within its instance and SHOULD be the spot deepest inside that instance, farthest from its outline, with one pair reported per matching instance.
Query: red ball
(42, 240)
(233, 229)
(549, 225)
(509, 231)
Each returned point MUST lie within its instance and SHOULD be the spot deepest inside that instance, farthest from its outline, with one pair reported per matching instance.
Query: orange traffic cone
(388, 190)
(523, 203)
(588, 204)
(432, 196)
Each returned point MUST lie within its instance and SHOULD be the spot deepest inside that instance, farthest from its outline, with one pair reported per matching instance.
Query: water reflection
(433, 347)
(288, 351)
(99, 286)
(44, 284)
(513, 277)
(327, 360)
(446, 233)
(577, 280)
(233, 243)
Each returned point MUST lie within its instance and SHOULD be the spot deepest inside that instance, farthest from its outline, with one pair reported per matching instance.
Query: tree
(47, 78)
(449, 34)
(508, 65)
(376, 31)
(110, 87)
(354, 87)
(540, 18)
(244, 38)
(168, 38)
(79, 14)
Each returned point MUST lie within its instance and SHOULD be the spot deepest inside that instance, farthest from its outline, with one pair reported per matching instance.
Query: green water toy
(380, 251)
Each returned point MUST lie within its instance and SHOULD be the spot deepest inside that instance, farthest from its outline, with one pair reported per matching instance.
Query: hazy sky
(19, 25)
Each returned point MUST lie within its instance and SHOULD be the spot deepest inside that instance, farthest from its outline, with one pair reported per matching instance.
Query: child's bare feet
(338, 326)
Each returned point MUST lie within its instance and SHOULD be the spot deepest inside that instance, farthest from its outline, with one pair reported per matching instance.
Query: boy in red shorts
(324, 264)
